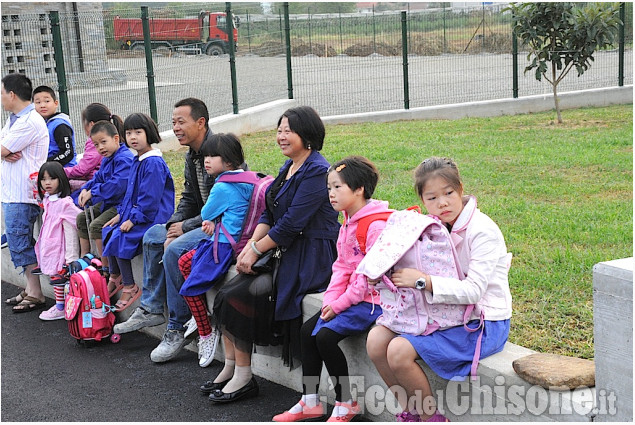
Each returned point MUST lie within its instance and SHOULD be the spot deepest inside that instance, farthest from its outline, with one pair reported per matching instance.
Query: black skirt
(244, 312)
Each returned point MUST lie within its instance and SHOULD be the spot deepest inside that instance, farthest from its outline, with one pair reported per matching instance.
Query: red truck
(206, 33)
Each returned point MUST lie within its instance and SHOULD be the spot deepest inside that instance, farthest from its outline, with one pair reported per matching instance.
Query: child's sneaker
(190, 326)
(408, 417)
(37, 271)
(207, 348)
(5, 243)
(52, 313)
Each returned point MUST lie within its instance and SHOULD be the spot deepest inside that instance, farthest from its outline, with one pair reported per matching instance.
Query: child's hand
(327, 313)
(373, 281)
(84, 197)
(406, 278)
(113, 221)
(126, 226)
(208, 227)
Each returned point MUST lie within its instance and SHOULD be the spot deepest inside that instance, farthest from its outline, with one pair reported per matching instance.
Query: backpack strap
(364, 223)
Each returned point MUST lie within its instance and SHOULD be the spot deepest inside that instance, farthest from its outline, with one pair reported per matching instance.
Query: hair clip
(340, 168)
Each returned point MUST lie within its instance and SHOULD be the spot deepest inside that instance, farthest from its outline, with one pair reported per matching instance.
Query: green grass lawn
(561, 194)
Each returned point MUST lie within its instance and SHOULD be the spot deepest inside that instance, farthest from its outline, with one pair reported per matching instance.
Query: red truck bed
(160, 29)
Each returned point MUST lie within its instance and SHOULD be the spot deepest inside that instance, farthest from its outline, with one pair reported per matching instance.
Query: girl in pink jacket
(350, 306)
(57, 243)
(86, 168)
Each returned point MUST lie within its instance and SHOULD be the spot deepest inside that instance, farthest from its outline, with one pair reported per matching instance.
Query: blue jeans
(162, 281)
(19, 219)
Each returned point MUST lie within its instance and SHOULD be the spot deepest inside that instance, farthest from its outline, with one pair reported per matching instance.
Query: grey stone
(553, 371)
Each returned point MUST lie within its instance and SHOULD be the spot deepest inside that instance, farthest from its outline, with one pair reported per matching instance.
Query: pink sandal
(134, 292)
(114, 285)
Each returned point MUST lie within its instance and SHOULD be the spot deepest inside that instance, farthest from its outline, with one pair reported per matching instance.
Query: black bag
(267, 262)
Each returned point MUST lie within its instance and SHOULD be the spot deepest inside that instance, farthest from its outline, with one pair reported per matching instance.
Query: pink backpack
(413, 240)
(87, 307)
(257, 205)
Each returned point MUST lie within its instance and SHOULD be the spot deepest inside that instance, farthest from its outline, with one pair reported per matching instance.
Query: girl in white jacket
(482, 256)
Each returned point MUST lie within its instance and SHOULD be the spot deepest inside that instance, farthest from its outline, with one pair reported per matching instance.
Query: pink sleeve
(87, 165)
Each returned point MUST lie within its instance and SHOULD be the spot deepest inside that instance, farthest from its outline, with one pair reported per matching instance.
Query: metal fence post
(514, 65)
(248, 32)
(152, 93)
(404, 43)
(59, 61)
(287, 35)
(232, 55)
(620, 77)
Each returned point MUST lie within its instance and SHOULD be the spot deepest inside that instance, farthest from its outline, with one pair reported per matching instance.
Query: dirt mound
(316, 49)
(268, 49)
(368, 49)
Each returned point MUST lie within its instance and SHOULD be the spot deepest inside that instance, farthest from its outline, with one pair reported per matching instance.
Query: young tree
(561, 36)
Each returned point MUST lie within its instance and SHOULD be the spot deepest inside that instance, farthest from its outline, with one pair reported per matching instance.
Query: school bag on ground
(257, 205)
(87, 307)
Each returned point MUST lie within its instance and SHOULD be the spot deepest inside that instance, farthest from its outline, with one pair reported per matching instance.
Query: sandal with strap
(29, 303)
(134, 292)
(114, 285)
(17, 299)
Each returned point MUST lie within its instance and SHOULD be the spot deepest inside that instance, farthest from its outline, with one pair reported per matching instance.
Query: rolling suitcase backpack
(87, 307)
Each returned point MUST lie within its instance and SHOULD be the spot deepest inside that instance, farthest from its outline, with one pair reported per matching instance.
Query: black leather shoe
(209, 386)
(249, 390)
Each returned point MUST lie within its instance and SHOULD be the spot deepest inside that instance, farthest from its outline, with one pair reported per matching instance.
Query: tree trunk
(555, 91)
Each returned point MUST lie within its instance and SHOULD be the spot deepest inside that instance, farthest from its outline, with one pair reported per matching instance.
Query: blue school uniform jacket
(109, 183)
(304, 225)
(149, 200)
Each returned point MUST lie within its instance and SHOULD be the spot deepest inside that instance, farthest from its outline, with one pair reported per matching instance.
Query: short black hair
(142, 121)
(107, 127)
(55, 171)
(306, 123)
(19, 84)
(227, 146)
(44, 89)
(198, 108)
(356, 172)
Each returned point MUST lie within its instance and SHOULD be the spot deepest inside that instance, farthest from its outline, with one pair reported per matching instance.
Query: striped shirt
(23, 132)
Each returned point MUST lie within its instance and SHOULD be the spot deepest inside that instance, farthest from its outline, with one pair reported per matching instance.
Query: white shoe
(191, 327)
(207, 348)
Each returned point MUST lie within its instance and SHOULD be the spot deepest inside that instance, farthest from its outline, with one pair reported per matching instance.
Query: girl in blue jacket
(149, 200)
(227, 203)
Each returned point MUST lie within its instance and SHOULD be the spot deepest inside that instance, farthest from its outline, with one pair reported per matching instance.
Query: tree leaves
(562, 35)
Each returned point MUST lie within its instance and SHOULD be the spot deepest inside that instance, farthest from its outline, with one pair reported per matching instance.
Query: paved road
(47, 376)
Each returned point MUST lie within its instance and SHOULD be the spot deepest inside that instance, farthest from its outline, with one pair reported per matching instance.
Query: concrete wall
(613, 335)
(492, 108)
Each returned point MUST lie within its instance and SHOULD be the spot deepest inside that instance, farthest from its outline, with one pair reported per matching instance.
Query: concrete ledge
(498, 107)
(613, 336)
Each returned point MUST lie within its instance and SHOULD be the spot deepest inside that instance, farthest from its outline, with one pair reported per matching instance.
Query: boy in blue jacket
(108, 186)
(61, 133)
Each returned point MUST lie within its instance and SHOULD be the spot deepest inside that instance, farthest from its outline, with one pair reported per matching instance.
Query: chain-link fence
(340, 63)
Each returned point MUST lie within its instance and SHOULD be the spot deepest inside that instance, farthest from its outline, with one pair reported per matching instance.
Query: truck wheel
(214, 50)
(138, 48)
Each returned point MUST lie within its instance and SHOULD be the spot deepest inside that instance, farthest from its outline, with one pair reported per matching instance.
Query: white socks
(242, 376)
(227, 372)
(310, 400)
(341, 409)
